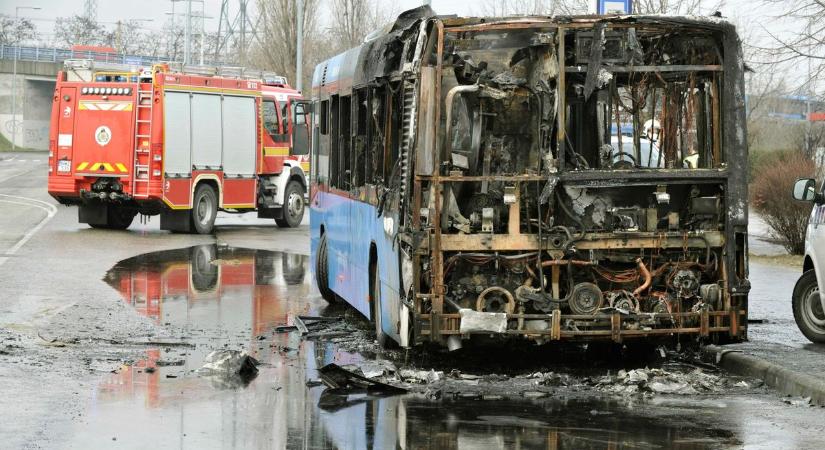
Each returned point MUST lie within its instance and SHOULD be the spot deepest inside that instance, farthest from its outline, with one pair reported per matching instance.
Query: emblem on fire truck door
(103, 135)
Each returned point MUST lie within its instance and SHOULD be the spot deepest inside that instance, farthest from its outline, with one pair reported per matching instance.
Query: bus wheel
(807, 308)
(292, 212)
(119, 218)
(322, 272)
(204, 209)
(375, 296)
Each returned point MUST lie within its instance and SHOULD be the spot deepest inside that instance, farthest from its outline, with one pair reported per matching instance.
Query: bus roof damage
(554, 178)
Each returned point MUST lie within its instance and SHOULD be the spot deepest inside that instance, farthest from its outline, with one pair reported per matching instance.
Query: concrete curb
(784, 380)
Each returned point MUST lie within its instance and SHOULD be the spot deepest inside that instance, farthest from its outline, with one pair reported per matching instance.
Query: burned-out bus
(575, 178)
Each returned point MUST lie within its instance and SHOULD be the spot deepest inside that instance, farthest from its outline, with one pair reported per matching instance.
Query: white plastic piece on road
(482, 322)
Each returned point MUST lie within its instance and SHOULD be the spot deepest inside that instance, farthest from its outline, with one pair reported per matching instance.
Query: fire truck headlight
(84, 90)
(128, 91)
(96, 90)
(108, 91)
(119, 91)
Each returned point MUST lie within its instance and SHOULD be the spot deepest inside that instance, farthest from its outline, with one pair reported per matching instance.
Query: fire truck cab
(153, 141)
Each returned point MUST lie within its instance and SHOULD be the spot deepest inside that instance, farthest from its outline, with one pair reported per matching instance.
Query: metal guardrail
(58, 55)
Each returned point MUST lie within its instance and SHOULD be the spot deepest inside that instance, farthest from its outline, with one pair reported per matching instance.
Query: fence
(58, 55)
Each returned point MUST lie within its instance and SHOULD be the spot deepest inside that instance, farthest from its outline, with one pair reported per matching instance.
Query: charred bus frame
(514, 206)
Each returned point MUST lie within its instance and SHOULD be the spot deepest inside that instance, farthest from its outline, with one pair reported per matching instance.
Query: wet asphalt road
(93, 325)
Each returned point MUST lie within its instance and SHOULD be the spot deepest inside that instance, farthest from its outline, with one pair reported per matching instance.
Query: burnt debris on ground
(523, 371)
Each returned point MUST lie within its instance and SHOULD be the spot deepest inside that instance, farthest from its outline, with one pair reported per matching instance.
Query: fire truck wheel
(293, 209)
(119, 218)
(322, 272)
(204, 209)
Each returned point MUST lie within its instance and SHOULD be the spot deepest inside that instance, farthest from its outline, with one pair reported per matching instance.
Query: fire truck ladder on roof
(143, 143)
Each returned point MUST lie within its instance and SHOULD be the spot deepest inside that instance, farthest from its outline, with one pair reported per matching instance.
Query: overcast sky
(752, 17)
(752, 14)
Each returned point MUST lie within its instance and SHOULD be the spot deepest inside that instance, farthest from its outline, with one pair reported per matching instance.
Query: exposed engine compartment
(601, 145)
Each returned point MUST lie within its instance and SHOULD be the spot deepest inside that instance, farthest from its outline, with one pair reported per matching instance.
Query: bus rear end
(553, 179)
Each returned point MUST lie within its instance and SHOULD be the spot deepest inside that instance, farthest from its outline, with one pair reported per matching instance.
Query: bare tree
(14, 32)
(553, 7)
(805, 45)
(678, 7)
(279, 29)
(500, 8)
(352, 20)
(130, 37)
(81, 30)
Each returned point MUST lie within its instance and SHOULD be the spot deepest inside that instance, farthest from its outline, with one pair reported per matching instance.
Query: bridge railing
(58, 55)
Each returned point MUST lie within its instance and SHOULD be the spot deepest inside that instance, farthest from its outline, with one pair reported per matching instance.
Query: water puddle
(234, 298)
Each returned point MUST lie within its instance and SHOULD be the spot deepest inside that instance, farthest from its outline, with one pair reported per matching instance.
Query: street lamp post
(299, 47)
(14, 80)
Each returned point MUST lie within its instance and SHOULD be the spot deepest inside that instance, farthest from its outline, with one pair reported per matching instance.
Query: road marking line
(20, 174)
(50, 212)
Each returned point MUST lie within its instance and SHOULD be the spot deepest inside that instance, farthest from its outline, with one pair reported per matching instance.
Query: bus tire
(292, 211)
(375, 296)
(807, 308)
(322, 272)
(204, 209)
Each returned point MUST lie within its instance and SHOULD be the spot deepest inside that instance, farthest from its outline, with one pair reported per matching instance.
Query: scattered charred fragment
(579, 177)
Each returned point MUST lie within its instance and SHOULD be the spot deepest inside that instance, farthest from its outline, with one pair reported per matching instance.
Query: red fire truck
(179, 145)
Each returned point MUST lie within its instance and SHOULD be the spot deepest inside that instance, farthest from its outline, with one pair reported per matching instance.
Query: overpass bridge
(28, 120)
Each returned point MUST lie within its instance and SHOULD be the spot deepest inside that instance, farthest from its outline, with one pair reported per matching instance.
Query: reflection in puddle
(233, 298)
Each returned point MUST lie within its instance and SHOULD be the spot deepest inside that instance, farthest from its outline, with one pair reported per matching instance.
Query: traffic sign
(614, 6)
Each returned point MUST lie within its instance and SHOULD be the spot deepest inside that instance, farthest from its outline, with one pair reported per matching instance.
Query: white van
(808, 303)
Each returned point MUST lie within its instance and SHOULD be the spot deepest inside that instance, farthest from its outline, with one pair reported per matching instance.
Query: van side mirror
(805, 190)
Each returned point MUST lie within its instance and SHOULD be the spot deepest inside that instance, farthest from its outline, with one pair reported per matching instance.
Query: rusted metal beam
(717, 121)
(436, 255)
(639, 69)
(505, 178)
(704, 323)
(616, 327)
(514, 219)
(734, 322)
(561, 99)
(592, 241)
(555, 325)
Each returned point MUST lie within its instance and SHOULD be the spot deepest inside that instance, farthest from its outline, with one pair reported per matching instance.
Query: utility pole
(118, 34)
(14, 80)
(808, 132)
(187, 39)
(299, 46)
